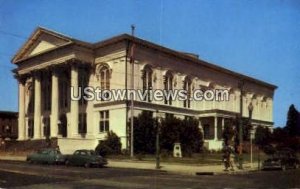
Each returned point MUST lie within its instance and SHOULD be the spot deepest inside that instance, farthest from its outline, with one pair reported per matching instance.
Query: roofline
(54, 33)
(8, 112)
(182, 56)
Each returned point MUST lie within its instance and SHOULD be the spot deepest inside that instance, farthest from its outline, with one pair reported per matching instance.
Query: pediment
(42, 40)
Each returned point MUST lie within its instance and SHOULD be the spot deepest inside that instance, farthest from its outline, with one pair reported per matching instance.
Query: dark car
(49, 156)
(283, 160)
(86, 158)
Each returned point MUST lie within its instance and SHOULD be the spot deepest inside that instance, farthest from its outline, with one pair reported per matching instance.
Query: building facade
(8, 125)
(50, 63)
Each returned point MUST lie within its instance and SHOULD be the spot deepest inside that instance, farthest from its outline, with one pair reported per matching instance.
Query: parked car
(49, 156)
(282, 159)
(86, 158)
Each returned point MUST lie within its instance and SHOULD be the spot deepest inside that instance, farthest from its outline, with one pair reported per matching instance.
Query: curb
(205, 173)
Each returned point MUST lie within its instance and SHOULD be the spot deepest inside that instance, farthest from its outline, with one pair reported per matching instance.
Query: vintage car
(282, 159)
(86, 158)
(49, 156)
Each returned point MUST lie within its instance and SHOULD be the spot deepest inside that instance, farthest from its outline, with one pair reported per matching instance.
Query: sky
(258, 38)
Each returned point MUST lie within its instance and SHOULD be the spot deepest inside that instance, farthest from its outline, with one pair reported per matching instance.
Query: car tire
(87, 165)
(29, 161)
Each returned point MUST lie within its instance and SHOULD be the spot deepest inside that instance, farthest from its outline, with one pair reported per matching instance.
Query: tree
(262, 136)
(170, 132)
(292, 124)
(279, 136)
(186, 132)
(110, 146)
(190, 136)
(144, 133)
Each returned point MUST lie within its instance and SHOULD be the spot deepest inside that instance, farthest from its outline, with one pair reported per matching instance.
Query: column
(216, 128)
(37, 106)
(54, 105)
(74, 103)
(223, 123)
(21, 120)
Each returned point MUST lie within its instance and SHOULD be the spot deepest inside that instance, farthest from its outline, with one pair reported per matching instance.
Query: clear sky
(259, 38)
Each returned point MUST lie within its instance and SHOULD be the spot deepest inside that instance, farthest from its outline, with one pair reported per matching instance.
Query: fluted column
(21, 120)
(37, 106)
(54, 105)
(74, 103)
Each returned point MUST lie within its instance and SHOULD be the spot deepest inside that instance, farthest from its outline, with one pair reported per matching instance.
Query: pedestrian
(226, 158)
(231, 158)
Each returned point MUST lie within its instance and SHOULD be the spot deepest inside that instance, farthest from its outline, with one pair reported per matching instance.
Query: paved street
(23, 175)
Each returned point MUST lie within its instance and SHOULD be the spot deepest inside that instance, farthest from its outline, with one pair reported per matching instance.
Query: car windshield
(91, 152)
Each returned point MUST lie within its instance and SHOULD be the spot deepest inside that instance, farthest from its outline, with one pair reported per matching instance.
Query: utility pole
(241, 87)
(158, 125)
(131, 99)
(250, 109)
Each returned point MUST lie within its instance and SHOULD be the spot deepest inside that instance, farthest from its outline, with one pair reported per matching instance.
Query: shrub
(110, 146)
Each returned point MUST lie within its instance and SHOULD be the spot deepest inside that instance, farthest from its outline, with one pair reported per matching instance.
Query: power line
(13, 34)
(5, 54)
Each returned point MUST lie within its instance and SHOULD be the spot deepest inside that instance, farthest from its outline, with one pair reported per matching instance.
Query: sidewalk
(180, 168)
(167, 167)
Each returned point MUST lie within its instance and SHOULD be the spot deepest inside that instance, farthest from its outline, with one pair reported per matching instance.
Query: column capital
(21, 78)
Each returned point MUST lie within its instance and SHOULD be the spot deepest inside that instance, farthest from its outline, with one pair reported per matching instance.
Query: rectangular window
(82, 126)
(104, 121)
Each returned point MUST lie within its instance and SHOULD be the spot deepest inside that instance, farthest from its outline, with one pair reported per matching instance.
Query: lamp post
(159, 116)
(251, 147)
(241, 87)
(250, 109)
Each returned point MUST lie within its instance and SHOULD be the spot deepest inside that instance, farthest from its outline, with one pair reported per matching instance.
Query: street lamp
(159, 116)
(241, 87)
(251, 148)
(250, 109)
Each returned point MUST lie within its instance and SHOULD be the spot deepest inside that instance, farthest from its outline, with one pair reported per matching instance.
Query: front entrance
(46, 129)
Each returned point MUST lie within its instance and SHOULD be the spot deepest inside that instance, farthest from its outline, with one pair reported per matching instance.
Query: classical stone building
(50, 63)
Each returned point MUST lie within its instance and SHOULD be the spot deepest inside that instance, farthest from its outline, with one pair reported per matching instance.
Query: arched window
(104, 73)
(187, 86)
(147, 82)
(168, 86)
